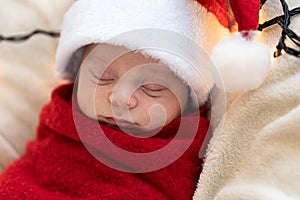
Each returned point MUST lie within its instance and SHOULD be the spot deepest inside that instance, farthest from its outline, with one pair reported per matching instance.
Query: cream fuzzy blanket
(255, 154)
(26, 70)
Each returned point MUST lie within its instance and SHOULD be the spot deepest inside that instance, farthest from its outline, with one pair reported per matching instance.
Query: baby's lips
(119, 122)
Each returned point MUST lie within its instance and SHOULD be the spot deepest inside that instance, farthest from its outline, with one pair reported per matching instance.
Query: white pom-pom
(240, 64)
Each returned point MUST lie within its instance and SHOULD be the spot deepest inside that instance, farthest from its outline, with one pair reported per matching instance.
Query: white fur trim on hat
(132, 24)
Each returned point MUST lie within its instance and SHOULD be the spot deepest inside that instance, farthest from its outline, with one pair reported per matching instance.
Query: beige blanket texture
(255, 153)
(26, 70)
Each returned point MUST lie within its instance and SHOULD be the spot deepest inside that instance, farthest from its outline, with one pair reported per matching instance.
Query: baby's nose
(123, 99)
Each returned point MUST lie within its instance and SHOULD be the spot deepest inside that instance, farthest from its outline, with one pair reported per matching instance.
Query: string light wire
(284, 21)
(22, 38)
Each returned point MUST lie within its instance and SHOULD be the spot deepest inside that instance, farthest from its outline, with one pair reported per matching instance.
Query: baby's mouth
(131, 128)
(119, 122)
(123, 125)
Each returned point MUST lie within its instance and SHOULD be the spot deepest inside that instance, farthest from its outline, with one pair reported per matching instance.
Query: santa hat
(180, 33)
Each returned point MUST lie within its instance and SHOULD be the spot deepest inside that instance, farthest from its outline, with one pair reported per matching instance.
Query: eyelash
(101, 79)
(146, 90)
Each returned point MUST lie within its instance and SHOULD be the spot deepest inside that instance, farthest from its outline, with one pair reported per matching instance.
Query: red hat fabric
(246, 13)
(218, 8)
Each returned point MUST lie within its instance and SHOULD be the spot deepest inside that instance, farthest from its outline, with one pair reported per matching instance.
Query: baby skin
(128, 90)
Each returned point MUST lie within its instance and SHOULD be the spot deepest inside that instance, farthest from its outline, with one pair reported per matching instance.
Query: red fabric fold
(217, 8)
(246, 13)
(58, 166)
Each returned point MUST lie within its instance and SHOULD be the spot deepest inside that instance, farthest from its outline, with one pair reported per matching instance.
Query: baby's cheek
(142, 115)
(84, 103)
(100, 102)
(163, 113)
(173, 113)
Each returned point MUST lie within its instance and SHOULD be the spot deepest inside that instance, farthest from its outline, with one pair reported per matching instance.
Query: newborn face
(131, 92)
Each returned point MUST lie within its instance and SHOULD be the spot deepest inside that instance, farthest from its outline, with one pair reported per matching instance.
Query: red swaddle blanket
(58, 166)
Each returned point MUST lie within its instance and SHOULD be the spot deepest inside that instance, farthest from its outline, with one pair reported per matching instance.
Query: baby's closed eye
(105, 79)
(153, 89)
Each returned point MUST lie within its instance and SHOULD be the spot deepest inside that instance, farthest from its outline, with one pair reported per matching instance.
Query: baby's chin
(142, 132)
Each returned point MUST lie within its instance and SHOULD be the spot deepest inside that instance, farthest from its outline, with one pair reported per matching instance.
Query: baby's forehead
(120, 60)
(111, 53)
